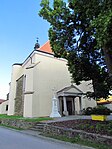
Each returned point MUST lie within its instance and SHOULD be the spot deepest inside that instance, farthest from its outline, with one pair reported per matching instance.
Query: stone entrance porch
(70, 101)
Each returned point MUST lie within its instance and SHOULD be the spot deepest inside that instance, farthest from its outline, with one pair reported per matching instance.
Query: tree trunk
(108, 60)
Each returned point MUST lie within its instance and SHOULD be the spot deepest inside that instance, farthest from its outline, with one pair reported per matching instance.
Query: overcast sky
(20, 25)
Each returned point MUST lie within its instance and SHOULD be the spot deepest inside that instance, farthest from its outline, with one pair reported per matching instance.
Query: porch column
(65, 112)
(74, 105)
(80, 105)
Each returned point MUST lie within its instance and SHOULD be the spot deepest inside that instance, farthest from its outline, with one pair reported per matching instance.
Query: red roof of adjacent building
(2, 100)
(46, 48)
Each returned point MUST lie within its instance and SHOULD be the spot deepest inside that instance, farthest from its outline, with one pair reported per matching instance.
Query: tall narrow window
(24, 83)
(6, 107)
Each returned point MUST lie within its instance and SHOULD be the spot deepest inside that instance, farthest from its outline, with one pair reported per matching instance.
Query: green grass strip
(80, 141)
(13, 127)
(3, 116)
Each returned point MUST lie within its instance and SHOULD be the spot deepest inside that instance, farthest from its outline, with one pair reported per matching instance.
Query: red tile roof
(2, 100)
(46, 48)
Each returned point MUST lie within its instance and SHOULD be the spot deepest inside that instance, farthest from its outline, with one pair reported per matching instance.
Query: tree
(80, 31)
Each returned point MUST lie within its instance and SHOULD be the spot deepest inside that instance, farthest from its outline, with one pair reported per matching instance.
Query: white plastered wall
(108, 106)
(3, 107)
(28, 105)
(16, 72)
(86, 86)
(49, 74)
(28, 94)
(29, 86)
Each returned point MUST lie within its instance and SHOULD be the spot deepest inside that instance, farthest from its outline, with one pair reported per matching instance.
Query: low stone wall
(59, 131)
(17, 123)
(70, 133)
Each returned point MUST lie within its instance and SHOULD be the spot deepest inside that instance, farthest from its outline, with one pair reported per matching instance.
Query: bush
(101, 110)
(88, 111)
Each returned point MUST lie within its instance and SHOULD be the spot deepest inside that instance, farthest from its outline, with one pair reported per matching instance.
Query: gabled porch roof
(70, 91)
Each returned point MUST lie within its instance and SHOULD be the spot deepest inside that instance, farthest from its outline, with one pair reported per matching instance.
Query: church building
(35, 81)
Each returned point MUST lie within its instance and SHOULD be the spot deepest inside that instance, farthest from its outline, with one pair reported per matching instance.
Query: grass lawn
(78, 140)
(26, 119)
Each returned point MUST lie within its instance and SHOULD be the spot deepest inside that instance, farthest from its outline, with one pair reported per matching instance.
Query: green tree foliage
(81, 32)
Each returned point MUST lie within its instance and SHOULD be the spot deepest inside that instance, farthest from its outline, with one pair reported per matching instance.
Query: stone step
(38, 127)
(34, 129)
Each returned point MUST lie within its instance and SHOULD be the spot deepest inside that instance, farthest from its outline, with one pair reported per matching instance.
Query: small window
(6, 107)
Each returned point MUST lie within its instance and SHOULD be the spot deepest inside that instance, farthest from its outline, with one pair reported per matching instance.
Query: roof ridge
(46, 48)
(43, 44)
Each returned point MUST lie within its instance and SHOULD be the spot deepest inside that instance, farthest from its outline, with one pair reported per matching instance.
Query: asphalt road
(10, 139)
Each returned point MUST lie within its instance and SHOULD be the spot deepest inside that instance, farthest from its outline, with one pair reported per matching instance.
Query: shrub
(88, 111)
(101, 110)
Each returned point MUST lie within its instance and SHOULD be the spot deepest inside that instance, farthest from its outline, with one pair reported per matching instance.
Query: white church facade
(37, 79)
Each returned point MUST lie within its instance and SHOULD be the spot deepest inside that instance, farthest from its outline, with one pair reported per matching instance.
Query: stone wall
(70, 133)
(19, 100)
(58, 131)
(17, 123)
